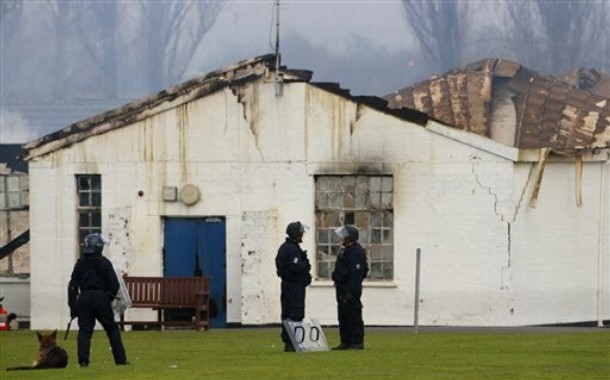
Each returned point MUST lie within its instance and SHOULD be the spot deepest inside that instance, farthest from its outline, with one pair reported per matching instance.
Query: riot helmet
(348, 233)
(94, 243)
(295, 230)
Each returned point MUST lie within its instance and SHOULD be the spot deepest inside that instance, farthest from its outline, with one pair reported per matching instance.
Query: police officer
(92, 288)
(292, 267)
(350, 270)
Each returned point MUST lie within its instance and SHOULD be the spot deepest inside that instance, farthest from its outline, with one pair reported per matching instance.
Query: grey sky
(332, 28)
(362, 45)
(365, 46)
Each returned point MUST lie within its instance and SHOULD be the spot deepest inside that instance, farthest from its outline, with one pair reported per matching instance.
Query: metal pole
(416, 305)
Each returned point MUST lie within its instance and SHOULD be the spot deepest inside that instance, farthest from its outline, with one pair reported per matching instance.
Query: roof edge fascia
(150, 105)
(472, 139)
(511, 153)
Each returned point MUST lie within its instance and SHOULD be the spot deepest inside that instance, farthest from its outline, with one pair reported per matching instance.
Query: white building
(206, 175)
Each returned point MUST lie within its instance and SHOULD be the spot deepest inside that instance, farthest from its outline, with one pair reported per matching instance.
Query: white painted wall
(255, 162)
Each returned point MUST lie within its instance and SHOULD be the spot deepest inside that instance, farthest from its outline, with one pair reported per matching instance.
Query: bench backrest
(166, 291)
(182, 291)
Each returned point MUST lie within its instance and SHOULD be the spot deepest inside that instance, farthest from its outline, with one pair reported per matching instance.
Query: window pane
(324, 184)
(96, 199)
(375, 253)
(323, 236)
(388, 237)
(81, 235)
(83, 183)
(376, 220)
(83, 218)
(388, 184)
(322, 200)
(386, 200)
(375, 236)
(365, 237)
(12, 183)
(322, 220)
(323, 270)
(375, 199)
(388, 269)
(363, 219)
(362, 192)
(334, 201)
(388, 219)
(96, 182)
(375, 184)
(349, 201)
(334, 238)
(335, 219)
(96, 218)
(376, 271)
(387, 253)
(350, 218)
(322, 253)
(83, 200)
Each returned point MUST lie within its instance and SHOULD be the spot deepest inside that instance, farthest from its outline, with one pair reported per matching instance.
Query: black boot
(342, 346)
(288, 347)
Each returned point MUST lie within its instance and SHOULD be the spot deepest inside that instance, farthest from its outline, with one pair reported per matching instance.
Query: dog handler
(92, 288)
(292, 266)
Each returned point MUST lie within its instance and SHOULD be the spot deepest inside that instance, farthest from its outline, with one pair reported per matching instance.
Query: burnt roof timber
(552, 113)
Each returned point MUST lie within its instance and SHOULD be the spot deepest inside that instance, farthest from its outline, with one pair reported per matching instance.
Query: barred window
(89, 209)
(365, 201)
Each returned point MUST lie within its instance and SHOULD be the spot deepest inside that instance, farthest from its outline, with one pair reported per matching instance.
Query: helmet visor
(342, 232)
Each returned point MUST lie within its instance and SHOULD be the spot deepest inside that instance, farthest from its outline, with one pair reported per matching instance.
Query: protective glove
(73, 313)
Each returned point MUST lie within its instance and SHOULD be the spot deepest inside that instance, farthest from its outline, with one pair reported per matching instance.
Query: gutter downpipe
(604, 210)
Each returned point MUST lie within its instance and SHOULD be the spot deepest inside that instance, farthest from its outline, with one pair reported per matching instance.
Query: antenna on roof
(279, 77)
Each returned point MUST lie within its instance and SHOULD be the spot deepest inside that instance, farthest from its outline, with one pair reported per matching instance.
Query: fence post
(416, 304)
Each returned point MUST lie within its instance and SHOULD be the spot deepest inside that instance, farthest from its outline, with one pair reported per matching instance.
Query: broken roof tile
(564, 114)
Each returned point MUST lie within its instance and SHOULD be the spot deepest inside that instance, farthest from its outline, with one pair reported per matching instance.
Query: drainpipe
(604, 210)
(8, 221)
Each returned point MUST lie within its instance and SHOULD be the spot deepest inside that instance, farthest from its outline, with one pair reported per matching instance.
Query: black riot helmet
(348, 233)
(295, 230)
(93, 243)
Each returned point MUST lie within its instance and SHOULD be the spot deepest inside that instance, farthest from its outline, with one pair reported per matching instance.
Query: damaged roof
(171, 97)
(233, 75)
(566, 114)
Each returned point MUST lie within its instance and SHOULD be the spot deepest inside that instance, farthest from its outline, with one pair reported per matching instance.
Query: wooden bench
(164, 293)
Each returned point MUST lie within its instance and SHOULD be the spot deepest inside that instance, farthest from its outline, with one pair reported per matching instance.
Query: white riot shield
(306, 335)
(122, 301)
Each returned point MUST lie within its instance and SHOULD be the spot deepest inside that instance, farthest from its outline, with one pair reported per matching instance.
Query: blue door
(196, 247)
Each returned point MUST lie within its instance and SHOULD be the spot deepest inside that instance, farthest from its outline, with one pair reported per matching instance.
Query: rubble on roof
(566, 115)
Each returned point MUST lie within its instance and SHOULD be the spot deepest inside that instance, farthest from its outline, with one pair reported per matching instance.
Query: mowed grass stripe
(257, 353)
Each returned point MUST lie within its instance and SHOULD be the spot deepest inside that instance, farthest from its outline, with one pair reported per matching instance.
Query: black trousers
(351, 325)
(292, 299)
(94, 306)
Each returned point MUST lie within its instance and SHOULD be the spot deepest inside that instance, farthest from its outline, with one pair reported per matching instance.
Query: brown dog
(50, 355)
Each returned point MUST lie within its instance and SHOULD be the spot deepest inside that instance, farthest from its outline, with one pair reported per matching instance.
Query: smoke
(14, 128)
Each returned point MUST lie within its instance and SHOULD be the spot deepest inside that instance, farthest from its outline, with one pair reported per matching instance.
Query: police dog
(50, 355)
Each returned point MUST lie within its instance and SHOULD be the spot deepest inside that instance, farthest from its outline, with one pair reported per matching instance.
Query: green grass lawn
(390, 354)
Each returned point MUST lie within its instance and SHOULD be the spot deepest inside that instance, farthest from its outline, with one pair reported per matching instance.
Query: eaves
(508, 152)
(233, 75)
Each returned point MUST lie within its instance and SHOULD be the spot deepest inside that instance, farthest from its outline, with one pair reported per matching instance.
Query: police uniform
(350, 270)
(293, 268)
(92, 288)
